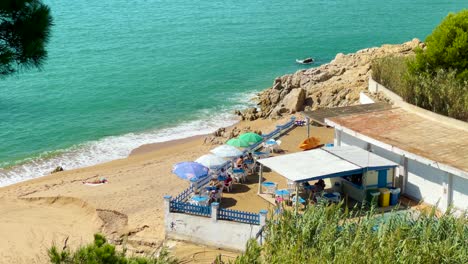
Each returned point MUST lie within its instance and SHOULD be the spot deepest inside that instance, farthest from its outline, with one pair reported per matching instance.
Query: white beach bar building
(354, 169)
(432, 155)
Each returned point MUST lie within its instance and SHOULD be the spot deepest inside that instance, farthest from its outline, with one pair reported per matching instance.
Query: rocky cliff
(337, 83)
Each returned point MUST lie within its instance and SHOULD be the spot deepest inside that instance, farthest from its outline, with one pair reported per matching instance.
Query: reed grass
(329, 234)
(441, 92)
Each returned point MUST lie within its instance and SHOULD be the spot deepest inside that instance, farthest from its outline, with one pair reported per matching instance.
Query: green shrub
(447, 48)
(437, 77)
(332, 235)
(101, 252)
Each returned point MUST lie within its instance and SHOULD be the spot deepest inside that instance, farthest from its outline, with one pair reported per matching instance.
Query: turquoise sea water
(122, 73)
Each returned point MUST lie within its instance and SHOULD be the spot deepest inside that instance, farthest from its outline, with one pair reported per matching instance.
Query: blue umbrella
(192, 171)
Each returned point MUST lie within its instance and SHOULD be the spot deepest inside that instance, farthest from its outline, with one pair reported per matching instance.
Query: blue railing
(272, 134)
(279, 128)
(179, 205)
(239, 216)
(184, 195)
(183, 207)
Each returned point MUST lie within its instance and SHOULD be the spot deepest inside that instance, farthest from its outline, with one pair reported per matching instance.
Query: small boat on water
(305, 61)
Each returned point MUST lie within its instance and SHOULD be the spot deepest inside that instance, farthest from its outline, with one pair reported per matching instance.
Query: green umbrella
(251, 137)
(236, 142)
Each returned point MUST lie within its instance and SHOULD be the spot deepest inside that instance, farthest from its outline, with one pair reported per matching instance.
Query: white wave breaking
(117, 147)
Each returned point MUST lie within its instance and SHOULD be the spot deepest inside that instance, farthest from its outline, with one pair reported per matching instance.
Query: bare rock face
(334, 84)
(58, 169)
(248, 114)
(291, 103)
(220, 132)
(222, 135)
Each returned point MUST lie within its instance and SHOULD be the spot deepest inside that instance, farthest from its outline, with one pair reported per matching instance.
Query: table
(222, 178)
(240, 173)
(301, 200)
(210, 188)
(270, 186)
(282, 195)
(310, 187)
(282, 192)
(271, 145)
(332, 197)
(199, 200)
(261, 155)
(250, 165)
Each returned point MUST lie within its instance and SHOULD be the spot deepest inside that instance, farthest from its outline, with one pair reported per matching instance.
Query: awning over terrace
(325, 163)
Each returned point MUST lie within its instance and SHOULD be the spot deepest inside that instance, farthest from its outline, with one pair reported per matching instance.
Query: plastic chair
(291, 186)
(219, 195)
(276, 147)
(228, 186)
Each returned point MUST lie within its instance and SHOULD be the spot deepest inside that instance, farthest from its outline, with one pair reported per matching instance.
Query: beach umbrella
(236, 142)
(251, 137)
(192, 171)
(271, 141)
(226, 151)
(211, 161)
(309, 143)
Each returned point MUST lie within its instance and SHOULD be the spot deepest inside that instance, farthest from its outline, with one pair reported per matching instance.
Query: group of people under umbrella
(216, 163)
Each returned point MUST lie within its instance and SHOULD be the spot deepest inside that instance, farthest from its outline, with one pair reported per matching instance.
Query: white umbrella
(211, 161)
(226, 151)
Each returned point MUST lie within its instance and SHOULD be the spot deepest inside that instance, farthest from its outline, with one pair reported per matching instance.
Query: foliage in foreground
(24, 32)
(101, 252)
(331, 235)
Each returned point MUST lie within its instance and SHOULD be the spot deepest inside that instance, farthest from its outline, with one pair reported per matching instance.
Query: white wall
(427, 183)
(460, 193)
(349, 140)
(424, 182)
(220, 234)
(365, 99)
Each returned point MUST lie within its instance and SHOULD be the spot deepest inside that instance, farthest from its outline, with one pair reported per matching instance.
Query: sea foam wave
(118, 147)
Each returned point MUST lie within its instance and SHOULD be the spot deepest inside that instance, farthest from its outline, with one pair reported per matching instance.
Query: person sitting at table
(213, 181)
(320, 185)
(228, 179)
(219, 185)
(214, 193)
(240, 162)
(249, 157)
(250, 160)
(223, 173)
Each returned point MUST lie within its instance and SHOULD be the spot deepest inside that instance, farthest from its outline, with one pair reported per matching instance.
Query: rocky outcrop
(222, 135)
(334, 84)
(58, 169)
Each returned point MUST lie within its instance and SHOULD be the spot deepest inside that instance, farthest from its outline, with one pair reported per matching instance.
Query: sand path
(128, 209)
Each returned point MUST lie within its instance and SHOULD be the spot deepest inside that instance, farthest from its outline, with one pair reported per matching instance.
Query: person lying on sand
(101, 180)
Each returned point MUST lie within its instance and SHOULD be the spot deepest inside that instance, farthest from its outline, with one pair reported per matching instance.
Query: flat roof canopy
(325, 163)
(437, 143)
(320, 115)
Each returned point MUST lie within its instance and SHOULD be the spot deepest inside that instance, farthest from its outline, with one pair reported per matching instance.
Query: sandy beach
(128, 209)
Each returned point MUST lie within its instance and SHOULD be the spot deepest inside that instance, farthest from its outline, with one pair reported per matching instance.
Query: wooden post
(297, 197)
(308, 126)
(260, 176)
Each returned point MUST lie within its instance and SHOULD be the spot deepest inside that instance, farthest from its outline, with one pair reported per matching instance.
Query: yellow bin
(384, 198)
